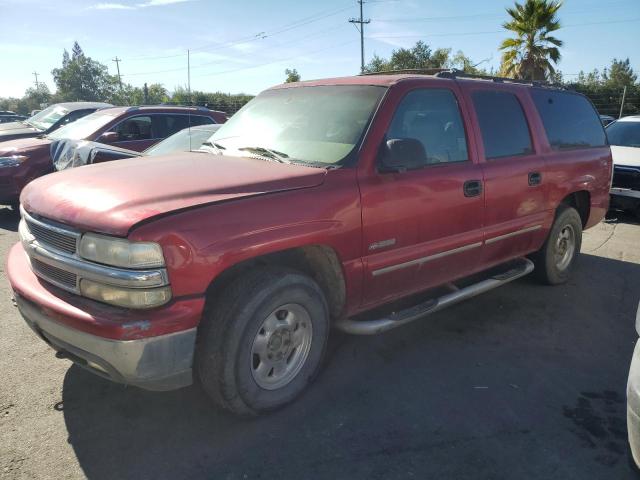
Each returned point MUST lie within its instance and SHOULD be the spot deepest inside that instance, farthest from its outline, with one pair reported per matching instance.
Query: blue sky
(245, 46)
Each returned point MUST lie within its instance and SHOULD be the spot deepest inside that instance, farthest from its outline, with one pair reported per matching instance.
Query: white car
(633, 399)
(624, 138)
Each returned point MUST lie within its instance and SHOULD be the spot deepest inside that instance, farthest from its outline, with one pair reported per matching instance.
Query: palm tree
(533, 51)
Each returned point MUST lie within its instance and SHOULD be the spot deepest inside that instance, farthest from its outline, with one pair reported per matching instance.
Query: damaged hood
(112, 197)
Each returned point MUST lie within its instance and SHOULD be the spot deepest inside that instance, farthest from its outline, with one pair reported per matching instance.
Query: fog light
(125, 297)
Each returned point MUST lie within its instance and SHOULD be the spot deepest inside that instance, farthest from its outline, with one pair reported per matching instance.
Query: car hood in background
(17, 128)
(625, 156)
(112, 197)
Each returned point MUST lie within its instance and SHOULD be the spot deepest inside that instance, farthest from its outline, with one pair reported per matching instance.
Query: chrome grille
(56, 238)
(55, 275)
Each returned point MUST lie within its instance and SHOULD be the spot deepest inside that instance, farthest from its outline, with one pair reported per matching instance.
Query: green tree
(532, 53)
(81, 78)
(292, 75)
(620, 74)
(420, 57)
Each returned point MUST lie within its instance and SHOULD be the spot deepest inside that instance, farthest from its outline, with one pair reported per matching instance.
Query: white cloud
(157, 3)
(112, 6)
(122, 6)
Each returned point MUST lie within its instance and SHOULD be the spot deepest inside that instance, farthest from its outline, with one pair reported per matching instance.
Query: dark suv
(48, 120)
(135, 128)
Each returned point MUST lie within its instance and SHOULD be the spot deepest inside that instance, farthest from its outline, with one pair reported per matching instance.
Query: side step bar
(513, 270)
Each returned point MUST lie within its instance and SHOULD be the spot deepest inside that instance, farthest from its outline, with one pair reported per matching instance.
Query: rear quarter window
(569, 120)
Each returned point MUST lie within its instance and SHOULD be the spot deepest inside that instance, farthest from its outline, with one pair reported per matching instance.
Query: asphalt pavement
(526, 381)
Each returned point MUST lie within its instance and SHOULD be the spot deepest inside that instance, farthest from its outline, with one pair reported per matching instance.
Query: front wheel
(262, 342)
(555, 259)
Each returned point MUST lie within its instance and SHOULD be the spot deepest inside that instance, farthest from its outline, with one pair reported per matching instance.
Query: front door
(423, 227)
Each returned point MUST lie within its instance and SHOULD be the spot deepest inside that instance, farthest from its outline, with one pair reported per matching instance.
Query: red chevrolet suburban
(315, 203)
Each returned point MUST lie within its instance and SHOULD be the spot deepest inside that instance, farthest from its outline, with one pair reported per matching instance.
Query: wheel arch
(320, 262)
(581, 201)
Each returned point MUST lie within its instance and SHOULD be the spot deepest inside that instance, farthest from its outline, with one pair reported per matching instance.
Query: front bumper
(155, 363)
(151, 349)
(633, 405)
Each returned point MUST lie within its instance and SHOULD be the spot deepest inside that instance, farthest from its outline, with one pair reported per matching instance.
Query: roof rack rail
(418, 71)
(454, 73)
(168, 105)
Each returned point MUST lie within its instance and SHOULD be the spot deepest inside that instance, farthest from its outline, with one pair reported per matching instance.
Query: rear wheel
(555, 259)
(262, 342)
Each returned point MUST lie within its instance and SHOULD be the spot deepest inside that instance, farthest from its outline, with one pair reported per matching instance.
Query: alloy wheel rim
(281, 346)
(565, 247)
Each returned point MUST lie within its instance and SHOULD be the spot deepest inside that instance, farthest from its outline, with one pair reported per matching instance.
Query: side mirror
(402, 154)
(109, 137)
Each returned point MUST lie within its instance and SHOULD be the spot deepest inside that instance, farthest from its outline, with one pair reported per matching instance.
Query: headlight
(125, 297)
(12, 160)
(118, 252)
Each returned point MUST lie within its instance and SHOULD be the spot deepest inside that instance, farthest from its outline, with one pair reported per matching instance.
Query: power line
(362, 22)
(255, 37)
(277, 61)
(319, 33)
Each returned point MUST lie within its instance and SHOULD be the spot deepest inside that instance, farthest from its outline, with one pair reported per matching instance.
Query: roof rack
(168, 105)
(454, 73)
(416, 71)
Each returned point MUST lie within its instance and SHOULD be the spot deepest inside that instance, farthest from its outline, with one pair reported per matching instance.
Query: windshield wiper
(213, 146)
(268, 153)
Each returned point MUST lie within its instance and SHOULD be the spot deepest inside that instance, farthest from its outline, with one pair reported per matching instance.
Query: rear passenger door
(514, 172)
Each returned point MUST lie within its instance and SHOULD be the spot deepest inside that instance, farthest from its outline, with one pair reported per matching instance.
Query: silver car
(633, 399)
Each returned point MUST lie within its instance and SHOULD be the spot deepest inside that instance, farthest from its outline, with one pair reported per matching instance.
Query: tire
(269, 312)
(555, 260)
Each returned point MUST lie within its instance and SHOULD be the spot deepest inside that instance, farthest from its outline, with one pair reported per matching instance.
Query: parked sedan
(70, 154)
(134, 128)
(606, 120)
(7, 118)
(624, 138)
(49, 120)
(633, 399)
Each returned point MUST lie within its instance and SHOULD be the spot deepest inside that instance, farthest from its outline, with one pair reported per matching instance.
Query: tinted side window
(134, 128)
(569, 119)
(432, 116)
(171, 124)
(504, 128)
(75, 115)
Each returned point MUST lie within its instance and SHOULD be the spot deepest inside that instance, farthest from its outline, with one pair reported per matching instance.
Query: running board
(513, 270)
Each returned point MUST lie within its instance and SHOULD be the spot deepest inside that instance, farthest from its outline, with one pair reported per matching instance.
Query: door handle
(472, 188)
(535, 178)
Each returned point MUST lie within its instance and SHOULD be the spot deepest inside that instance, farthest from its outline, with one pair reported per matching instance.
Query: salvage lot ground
(526, 381)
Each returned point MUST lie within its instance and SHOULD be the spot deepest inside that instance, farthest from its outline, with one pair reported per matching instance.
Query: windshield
(313, 125)
(180, 142)
(624, 134)
(82, 128)
(47, 117)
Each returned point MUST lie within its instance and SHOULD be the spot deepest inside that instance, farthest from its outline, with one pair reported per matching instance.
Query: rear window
(504, 128)
(570, 121)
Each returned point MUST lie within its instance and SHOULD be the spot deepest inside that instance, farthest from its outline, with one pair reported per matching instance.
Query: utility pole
(624, 95)
(37, 84)
(189, 75)
(117, 60)
(361, 21)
